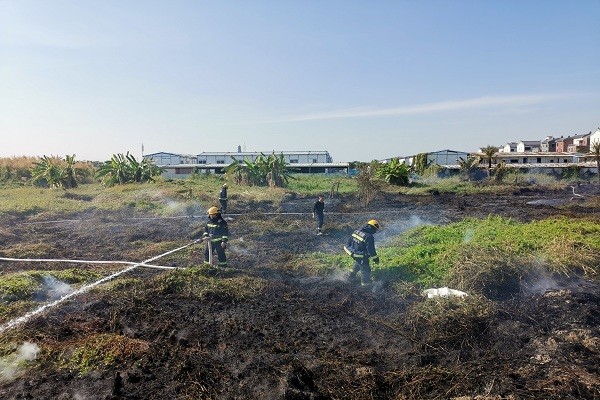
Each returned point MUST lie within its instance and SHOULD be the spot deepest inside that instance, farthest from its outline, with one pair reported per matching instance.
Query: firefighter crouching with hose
(216, 233)
(361, 247)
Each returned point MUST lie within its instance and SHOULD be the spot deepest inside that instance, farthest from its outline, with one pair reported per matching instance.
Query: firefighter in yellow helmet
(361, 247)
(216, 232)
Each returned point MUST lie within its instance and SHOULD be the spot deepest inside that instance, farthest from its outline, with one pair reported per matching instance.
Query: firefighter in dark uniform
(223, 198)
(217, 233)
(318, 213)
(361, 247)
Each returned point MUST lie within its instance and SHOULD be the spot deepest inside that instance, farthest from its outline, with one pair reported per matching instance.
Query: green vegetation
(121, 169)
(99, 351)
(25, 285)
(394, 172)
(194, 282)
(264, 171)
(473, 253)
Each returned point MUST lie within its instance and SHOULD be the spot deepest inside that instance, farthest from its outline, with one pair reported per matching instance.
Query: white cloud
(479, 102)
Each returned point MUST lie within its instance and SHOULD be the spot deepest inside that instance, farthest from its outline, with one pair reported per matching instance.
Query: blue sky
(363, 80)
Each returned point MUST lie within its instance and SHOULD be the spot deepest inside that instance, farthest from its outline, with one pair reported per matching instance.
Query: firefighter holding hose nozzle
(361, 247)
(216, 232)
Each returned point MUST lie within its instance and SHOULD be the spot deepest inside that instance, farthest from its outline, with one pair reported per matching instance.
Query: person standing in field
(361, 247)
(223, 198)
(318, 209)
(216, 233)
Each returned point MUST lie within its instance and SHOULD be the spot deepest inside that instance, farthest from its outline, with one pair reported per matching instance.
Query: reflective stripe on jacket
(361, 244)
(217, 229)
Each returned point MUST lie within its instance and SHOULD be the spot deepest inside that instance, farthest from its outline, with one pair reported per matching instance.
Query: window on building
(293, 161)
(220, 161)
(539, 160)
(524, 160)
(201, 161)
(513, 161)
(314, 160)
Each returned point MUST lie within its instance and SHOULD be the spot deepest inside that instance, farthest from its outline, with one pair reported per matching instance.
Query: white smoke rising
(10, 367)
(394, 228)
(541, 283)
(55, 288)
(468, 235)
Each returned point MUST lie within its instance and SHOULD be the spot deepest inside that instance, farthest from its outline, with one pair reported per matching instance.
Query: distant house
(548, 144)
(595, 138)
(510, 147)
(563, 143)
(528, 146)
(581, 144)
(536, 158)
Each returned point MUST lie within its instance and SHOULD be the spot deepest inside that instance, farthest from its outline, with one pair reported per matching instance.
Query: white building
(163, 158)
(528, 145)
(595, 138)
(290, 157)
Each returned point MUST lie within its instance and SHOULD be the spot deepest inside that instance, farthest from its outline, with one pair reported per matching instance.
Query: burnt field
(267, 328)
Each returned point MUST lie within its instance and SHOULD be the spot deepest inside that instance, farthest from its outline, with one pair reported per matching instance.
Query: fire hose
(83, 289)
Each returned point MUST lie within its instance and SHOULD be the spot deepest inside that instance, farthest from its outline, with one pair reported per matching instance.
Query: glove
(376, 260)
(223, 245)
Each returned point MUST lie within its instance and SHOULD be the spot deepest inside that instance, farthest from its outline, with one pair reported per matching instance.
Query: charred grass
(284, 322)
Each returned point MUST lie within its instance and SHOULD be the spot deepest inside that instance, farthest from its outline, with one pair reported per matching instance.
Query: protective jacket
(223, 194)
(217, 229)
(361, 244)
(223, 199)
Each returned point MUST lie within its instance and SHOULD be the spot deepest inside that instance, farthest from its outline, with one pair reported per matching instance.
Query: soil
(309, 337)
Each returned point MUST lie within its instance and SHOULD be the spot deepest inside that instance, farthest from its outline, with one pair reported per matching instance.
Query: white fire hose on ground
(83, 289)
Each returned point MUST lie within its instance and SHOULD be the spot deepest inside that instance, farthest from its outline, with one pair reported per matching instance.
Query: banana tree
(47, 172)
(394, 172)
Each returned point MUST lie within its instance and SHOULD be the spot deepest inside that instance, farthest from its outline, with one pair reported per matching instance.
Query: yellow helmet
(213, 210)
(374, 224)
(224, 185)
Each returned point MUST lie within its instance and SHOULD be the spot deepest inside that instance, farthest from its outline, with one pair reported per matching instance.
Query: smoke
(394, 228)
(540, 282)
(11, 366)
(468, 235)
(55, 289)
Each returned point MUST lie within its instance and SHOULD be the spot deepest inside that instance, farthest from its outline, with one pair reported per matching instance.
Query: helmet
(374, 224)
(225, 185)
(213, 210)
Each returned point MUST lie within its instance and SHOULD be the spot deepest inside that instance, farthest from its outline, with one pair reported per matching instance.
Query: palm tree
(468, 166)
(488, 154)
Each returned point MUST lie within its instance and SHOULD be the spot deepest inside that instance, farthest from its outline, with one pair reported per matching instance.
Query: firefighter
(216, 233)
(223, 198)
(361, 247)
(318, 208)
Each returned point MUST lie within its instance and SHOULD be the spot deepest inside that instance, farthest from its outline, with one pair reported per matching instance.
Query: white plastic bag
(443, 292)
